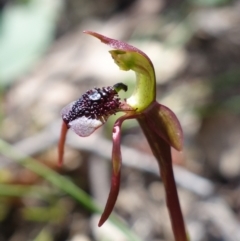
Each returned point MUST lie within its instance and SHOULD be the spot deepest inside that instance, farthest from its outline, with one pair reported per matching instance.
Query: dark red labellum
(96, 103)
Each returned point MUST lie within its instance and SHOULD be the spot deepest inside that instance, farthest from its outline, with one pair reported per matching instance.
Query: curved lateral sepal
(165, 123)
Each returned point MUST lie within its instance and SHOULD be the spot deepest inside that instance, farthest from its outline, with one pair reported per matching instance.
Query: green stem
(162, 152)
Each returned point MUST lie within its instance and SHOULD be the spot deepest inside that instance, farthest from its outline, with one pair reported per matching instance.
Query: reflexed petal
(165, 123)
(116, 171)
(82, 126)
(85, 126)
(113, 194)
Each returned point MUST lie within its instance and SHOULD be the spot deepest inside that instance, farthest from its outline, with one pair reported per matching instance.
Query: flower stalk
(159, 124)
(162, 152)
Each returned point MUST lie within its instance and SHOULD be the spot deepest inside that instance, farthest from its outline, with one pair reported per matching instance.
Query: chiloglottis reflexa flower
(159, 124)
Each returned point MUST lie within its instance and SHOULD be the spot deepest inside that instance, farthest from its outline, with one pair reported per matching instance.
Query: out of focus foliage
(26, 30)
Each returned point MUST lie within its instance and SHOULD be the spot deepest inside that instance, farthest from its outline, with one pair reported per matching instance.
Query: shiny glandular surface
(91, 110)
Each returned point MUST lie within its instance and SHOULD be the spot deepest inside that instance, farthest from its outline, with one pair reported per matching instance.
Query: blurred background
(46, 62)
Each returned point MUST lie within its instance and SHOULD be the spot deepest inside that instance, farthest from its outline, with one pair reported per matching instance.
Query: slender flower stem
(162, 152)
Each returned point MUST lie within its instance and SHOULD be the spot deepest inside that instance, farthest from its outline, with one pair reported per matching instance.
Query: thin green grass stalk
(17, 190)
(44, 235)
(60, 182)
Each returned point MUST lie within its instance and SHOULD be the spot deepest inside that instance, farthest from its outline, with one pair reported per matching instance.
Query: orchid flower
(159, 124)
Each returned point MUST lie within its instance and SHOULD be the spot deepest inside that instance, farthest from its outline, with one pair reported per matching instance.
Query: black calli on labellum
(92, 109)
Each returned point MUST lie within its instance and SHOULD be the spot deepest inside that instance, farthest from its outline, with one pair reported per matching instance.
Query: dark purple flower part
(91, 111)
(159, 124)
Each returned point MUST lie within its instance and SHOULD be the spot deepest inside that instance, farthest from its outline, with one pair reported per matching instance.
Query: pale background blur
(46, 62)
